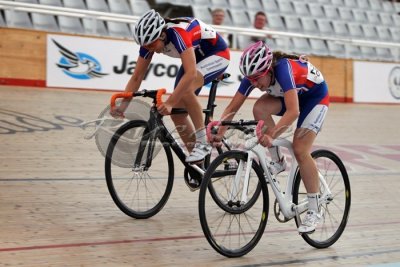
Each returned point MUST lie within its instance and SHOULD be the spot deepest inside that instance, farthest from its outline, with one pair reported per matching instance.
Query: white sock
(276, 154)
(313, 201)
(201, 136)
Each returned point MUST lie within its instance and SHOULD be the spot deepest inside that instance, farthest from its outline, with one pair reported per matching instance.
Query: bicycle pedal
(307, 233)
(193, 184)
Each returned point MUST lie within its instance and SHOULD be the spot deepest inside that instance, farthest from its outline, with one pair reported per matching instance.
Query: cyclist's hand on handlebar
(216, 140)
(266, 140)
(118, 112)
(164, 108)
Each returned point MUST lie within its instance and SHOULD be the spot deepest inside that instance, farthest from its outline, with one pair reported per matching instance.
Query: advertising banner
(376, 82)
(93, 63)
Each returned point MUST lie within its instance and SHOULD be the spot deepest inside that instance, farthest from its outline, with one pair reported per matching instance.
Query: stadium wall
(23, 63)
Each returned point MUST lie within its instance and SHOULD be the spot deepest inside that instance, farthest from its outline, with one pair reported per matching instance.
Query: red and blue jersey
(193, 33)
(289, 74)
(312, 90)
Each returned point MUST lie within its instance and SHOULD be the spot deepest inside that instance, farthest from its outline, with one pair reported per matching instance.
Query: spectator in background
(218, 17)
(260, 22)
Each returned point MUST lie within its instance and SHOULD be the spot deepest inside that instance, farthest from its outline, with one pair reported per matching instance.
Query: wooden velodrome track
(55, 209)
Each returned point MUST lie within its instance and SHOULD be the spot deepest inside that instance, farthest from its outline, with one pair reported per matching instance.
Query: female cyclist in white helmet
(295, 89)
(204, 55)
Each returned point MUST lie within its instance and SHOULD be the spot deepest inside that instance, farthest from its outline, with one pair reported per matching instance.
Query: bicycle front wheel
(139, 170)
(232, 215)
(335, 199)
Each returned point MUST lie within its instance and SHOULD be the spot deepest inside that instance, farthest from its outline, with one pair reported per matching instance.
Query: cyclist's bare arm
(138, 75)
(229, 112)
(133, 85)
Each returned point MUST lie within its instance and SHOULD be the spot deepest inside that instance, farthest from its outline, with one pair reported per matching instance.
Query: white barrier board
(93, 63)
(376, 82)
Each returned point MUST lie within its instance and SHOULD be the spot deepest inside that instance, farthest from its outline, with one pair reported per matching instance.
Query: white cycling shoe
(277, 167)
(199, 152)
(309, 222)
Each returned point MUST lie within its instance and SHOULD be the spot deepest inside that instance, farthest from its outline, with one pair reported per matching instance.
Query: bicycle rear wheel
(233, 219)
(335, 206)
(138, 188)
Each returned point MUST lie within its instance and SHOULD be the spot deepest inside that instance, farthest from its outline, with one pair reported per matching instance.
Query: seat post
(209, 111)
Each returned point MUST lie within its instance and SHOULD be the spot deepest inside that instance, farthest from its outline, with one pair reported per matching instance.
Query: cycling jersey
(212, 53)
(311, 88)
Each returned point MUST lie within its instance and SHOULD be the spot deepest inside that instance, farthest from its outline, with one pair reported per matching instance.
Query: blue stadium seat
(386, 18)
(355, 30)
(94, 27)
(337, 3)
(203, 13)
(220, 3)
(139, 7)
(301, 45)
(118, 29)
(369, 31)
(201, 2)
(70, 24)
(309, 25)
(301, 8)
(270, 6)
(119, 7)
(345, 13)
(340, 28)
(285, 7)
(44, 22)
(78, 4)
(97, 5)
(239, 18)
(27, 1)
(360, 16)
(376, 5)
(51, 2)
(275, 22)
(318, 47)
(336, 49)
(373, 17)
(293, 23)
(254, 5)
(331, 12)
(237, 4)
(18, 19)
(363, 4)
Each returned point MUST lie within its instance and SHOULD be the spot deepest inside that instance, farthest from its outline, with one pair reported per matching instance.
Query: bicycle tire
(337, 207)
(137, 192)
(231, 144)
(212, 215)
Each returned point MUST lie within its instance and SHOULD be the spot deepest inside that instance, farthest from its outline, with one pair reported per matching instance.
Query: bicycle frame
(284, 198)
(155, 124)
(256, 151)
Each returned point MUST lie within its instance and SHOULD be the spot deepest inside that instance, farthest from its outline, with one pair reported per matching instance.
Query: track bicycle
(235, 220)
(139, 165)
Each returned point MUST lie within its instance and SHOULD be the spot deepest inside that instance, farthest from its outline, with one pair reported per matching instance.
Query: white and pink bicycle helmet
(256, 59)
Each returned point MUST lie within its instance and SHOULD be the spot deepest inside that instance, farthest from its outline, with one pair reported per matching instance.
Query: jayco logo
(394, 82)
(78, 65)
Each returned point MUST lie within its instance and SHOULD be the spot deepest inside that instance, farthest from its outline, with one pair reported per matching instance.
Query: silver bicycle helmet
(148, 28)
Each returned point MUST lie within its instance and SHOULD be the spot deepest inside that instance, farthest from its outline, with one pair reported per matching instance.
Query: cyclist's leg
(209, 68)
(313, 109)
(263, 109)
